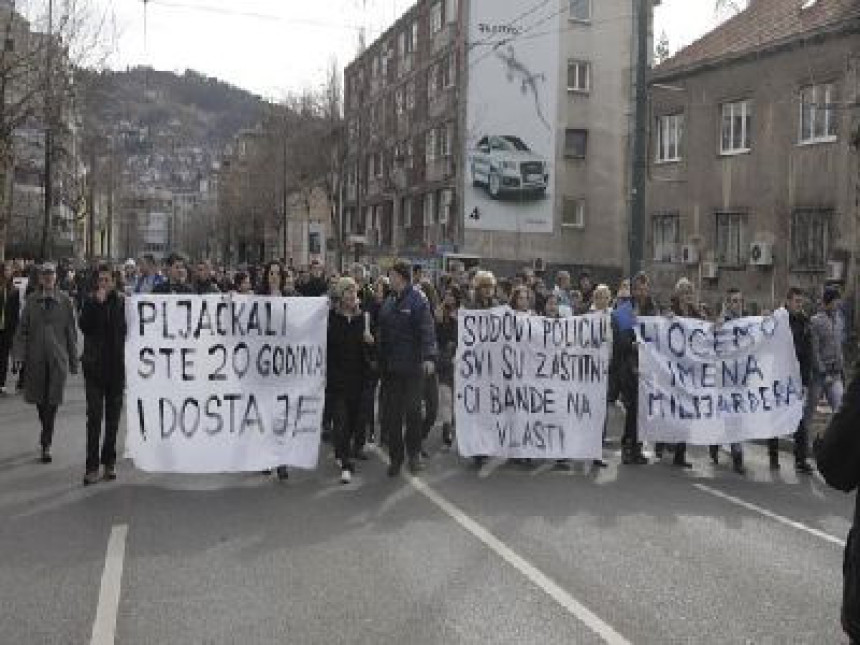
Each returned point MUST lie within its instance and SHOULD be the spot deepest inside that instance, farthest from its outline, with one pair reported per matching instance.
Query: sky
(272, 47)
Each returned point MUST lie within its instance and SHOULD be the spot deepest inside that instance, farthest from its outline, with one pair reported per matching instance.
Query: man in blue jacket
(407, 352)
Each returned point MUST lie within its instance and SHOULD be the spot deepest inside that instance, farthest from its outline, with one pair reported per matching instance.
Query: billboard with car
(511, 116)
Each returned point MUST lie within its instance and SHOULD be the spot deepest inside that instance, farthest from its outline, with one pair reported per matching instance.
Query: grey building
(404, 124)
(753, 173)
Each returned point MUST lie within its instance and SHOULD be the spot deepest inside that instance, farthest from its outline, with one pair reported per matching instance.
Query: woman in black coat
(347, 372)
(838, 457)
(10, 310)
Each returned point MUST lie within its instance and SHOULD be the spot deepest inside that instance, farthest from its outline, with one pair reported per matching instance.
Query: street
(510, 554)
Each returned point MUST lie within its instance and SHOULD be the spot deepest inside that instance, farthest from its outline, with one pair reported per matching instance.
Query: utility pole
(640, 136)
(44, 246)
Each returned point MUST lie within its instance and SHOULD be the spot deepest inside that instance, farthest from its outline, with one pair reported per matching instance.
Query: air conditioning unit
(761, 254)
(835, 271)
(689, 254)
(710, 270)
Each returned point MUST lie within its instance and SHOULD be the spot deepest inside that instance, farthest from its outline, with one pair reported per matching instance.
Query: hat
(830, 294)
(47, 267)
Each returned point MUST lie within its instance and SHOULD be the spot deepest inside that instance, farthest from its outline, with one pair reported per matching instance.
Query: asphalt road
(509, 554)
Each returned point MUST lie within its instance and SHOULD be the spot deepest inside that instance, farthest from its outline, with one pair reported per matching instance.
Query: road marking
(771, 515)
(104, 626)
(532, 573)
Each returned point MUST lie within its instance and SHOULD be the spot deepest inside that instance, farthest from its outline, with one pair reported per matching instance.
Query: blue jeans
(833, 391)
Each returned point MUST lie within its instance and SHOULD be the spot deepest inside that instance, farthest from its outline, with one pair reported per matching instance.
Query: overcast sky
(273, 46)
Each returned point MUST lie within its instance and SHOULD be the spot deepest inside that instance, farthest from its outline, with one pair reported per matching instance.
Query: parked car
(505, 164)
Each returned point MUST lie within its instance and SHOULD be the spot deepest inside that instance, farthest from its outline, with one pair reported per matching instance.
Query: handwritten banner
(527, 386)
(706, 383)
(225, 383)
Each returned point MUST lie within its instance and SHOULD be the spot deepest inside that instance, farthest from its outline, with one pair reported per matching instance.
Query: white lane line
(104, 626)
(771, 515)
(532, 573)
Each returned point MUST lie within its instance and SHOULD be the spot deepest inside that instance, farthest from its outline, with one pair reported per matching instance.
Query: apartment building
(754, 144)
(401, 102)
(410, 148)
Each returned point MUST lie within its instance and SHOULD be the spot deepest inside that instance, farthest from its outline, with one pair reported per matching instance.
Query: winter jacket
(10, 310)
(168, 287)
(826, 344)
(407, 335)
(624, 364)
(203, 287)
(104, 328)
(47, 341)
(838, 458)
(348, 354)
(313, 288)
(802, 334)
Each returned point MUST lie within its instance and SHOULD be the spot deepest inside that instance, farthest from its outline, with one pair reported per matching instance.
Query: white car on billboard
(505, 164)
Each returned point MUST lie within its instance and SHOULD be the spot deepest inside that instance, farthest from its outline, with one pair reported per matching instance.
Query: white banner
(225, 383)
(527, 386)
(705, 383)
(511, 115)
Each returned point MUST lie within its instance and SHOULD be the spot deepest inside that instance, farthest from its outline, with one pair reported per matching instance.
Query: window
(670, 136)
(810, 239)
(573, 213)
(451, 70)
(429, 209)
(446, 200)
(406, 212)
(437, 16)
(578, 76)
(736, 129)
(430, 146)
(580, 10)
(575, 143)
(817, 114)
(453, 12)
(446, 137)
(432, 83)
(410, 96)
(409, 154)
(665, 231)
(730, 239)
(398, 101)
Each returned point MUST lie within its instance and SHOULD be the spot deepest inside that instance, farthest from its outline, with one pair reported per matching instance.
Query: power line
(223, 11)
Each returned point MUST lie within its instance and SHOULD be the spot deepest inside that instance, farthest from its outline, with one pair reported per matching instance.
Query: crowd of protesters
(392, 342)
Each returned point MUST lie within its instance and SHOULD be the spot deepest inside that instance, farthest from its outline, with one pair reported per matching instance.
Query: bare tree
(39, 54)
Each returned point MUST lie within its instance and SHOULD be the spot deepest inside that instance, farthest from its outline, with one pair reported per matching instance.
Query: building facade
(753, 175)
(404, 113)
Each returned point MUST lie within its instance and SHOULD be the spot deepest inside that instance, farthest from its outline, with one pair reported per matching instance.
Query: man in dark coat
(176, 277)
(625, 364)
(407, 352)
(802, 335)
(10, 310)
(838, 457)
(47, 342)
(104, 327)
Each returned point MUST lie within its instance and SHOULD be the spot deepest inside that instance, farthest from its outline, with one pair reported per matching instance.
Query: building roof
(764, 23)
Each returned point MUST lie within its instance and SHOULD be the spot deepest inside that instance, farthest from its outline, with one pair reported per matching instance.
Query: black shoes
(714, 451)
(110, 473)
(91, 477)
(599, 463)
(415, 465)
(633, 456)
(658, 451)
(802, 467)
(738, 466)
(394, 469)
(447, 435)
(681, 462)
(283, 475)
(479, 461)
(774, 462)
(46, 457)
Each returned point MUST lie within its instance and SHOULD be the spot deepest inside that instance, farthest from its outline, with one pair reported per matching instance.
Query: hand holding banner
(707, 384)
(225, 383)
(527, 386)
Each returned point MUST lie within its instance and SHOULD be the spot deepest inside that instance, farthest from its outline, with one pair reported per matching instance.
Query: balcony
(375, 186)
(443, 103)
(443, 39)
(406, 64)
(439, 169)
